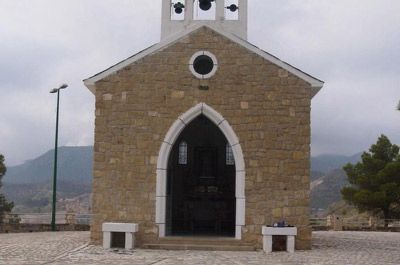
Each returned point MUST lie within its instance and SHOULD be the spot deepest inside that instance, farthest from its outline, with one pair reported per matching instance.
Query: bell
(205, 4)
(179, 8)
(232, 7)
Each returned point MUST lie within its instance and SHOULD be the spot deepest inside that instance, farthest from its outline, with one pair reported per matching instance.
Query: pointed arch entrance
(201, 182)
(174, 145)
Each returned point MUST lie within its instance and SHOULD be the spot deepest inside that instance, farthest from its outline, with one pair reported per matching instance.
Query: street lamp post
(53, 207)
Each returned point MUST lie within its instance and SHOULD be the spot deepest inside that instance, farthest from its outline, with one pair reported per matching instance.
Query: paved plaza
(336, 248)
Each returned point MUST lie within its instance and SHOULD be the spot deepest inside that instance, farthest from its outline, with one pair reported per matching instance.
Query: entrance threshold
(214, 243)
(200, 238)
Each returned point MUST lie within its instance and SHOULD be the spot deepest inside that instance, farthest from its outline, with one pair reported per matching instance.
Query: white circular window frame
(214, 60)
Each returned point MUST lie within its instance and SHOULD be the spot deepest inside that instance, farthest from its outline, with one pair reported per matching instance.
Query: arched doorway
(163, 158)
(201, 182)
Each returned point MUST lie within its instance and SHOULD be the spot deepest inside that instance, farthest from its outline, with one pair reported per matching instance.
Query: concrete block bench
(128, 228)
(268, 232)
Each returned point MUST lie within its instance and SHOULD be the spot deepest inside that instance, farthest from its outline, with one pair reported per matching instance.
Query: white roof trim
(315, 83)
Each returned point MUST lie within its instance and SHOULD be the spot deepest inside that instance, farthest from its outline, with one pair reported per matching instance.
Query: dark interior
(200, 189)
(203, 64)
(279, 243)
(117, 239)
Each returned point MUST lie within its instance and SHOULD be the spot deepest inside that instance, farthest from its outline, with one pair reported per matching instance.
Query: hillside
(326, 190)
(30, 185)
(31, 197)
(327, 179)
(74, 165)
(326, 163)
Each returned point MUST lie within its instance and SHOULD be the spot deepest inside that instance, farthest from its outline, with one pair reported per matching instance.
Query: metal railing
(355, 222)
(45, 218)
(318, 222)
(85, 218)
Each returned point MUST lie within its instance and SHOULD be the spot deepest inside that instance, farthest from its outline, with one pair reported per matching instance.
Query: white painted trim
(188, 11)
(314, 82)
(240, 183)
(189, 115)
(169, 140)
(174, 131)
(161, 230)
(240, 211)
(214, 116)
(230, 135)
(238, 232)
(106, 239)
(214, 60)
(161, 183)
(163, 156)
(279, 231)
(220, 11)
(237, 152)
(120, 227)
(129, 241)
(161, 204)
(194, 56)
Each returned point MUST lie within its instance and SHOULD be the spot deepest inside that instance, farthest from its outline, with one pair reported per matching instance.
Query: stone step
(200, 240)
(200, 243)
(205, 247)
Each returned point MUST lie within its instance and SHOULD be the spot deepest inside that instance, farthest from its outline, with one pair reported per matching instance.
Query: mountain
(327, 179)
(74, 165)
(326, 163)
(316, 175)
(326, 189)
(30, 196)
(30, 185)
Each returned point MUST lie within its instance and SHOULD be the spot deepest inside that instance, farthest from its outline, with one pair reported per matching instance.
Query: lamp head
(55, 90)
(63, 86)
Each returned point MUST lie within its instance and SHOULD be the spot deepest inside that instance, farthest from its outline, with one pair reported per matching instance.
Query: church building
(202, 137)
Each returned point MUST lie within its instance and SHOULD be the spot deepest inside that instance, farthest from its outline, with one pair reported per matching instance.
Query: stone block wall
(267, 107)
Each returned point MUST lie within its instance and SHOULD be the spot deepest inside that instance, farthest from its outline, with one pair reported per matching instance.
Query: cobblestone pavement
(336, 248)
(39, 248)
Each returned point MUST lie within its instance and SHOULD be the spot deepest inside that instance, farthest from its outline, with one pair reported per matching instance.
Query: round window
(203, 64)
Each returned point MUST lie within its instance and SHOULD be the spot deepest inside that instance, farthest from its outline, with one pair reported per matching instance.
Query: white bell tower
(227, 15)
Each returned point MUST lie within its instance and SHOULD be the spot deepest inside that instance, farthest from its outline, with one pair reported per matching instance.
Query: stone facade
(267, 107)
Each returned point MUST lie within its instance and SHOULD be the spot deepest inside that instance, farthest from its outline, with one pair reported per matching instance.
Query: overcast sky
(354, 46)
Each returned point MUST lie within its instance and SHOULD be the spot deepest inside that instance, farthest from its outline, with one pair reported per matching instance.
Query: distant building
(202, 134)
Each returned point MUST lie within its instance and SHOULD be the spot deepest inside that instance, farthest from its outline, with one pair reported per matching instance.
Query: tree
(375, 181)
(5, 206)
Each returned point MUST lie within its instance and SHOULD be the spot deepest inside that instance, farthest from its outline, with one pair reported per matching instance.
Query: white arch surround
(162, 163)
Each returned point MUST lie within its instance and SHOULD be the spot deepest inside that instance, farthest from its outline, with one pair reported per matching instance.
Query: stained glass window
(230, 160)
(182, 160)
